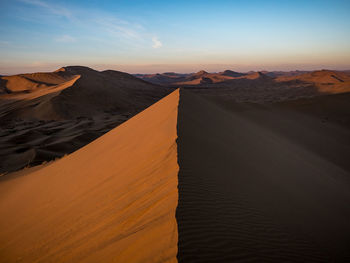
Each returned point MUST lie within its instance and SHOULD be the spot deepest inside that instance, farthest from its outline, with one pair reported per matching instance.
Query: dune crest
(114, 199)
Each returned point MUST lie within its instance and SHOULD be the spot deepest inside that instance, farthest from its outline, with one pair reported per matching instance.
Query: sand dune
(106, 91)
(112, 201)
(163, 78)
(325, 80)
(91, 93)
(32, 82)
(47, 115)
(250, 192)
(243, 182)
(329, 108)
(305, 122)
(261, 87)
(232, 73)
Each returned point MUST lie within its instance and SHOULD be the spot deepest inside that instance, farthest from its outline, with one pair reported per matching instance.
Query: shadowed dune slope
(248, 193)
(106, 91)
(320, 124)
(333, 108)
(113, 200)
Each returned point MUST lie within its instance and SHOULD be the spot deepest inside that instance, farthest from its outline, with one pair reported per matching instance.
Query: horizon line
(50, 69)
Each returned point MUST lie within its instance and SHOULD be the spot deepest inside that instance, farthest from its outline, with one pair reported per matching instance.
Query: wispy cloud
(134, 34)
(118, 27)
(156, 43)
(4, 43)
(65, 39)
(128, 34)
(52, 8)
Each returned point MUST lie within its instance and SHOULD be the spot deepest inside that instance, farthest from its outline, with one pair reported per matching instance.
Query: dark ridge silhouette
(205, 80)
(232, 73)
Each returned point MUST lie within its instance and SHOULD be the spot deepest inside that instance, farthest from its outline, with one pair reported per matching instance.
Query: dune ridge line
(113, 199)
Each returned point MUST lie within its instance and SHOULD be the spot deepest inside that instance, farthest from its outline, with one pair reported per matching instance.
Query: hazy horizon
(184, 37)
(154, 69)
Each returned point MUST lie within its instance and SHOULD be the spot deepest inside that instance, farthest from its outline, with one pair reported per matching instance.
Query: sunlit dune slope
(32, 82)
(325, 80)
(33, 104)
(114, 200)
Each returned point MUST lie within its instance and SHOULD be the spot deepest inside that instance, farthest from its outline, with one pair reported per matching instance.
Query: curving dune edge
(109, 200)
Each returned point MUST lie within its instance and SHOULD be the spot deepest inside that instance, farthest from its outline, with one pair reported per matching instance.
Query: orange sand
(114, 199)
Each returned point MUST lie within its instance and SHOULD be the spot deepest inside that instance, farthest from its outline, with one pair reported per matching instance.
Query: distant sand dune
(76, 92)
(33, 82)
(44, 116)
(261, 87)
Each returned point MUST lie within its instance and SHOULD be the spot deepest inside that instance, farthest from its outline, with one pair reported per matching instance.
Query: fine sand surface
(248, 192)
(113, 200)
(320, 124)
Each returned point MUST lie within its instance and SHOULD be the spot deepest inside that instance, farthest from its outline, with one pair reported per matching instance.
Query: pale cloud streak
(4, 43)
(120, 28)
(65, 39)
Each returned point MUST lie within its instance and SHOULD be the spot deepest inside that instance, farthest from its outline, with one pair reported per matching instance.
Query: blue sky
(183, 36)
